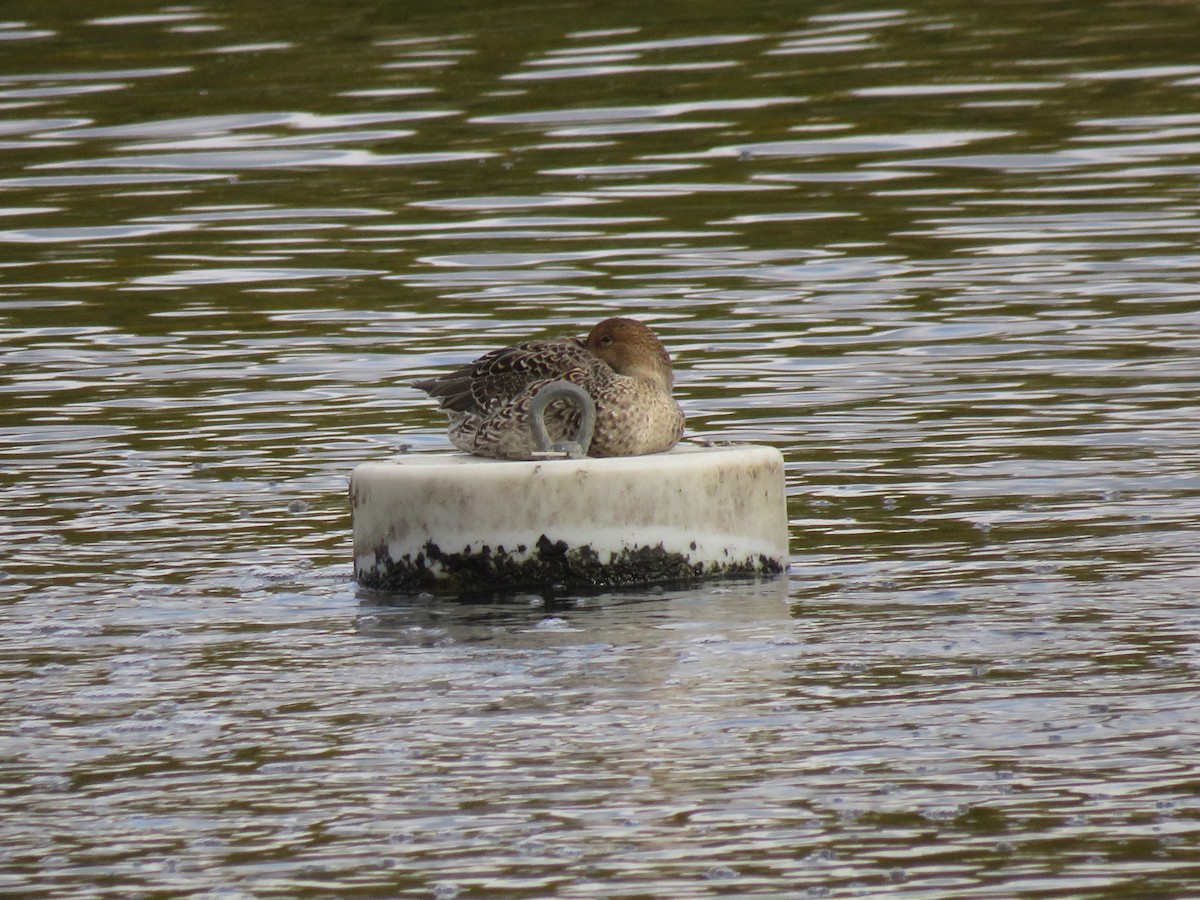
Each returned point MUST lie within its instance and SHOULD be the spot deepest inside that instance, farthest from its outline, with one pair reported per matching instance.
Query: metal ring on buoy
(557, 390)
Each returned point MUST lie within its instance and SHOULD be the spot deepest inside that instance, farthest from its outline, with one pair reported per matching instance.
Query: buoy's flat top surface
(652, 460)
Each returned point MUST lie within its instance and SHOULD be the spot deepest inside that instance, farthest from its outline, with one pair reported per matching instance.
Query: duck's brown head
(632, 349)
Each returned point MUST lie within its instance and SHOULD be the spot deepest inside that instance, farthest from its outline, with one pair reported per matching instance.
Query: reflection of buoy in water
(450, 521)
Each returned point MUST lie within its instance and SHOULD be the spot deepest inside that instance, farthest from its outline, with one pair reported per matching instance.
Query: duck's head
(632, 349)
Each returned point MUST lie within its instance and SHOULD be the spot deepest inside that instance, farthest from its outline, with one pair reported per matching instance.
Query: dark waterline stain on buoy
(550, 563)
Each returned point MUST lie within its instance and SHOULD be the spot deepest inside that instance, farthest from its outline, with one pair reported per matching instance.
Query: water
(943, 255)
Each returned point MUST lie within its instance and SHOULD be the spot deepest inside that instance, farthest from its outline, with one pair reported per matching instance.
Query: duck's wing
(499, 377)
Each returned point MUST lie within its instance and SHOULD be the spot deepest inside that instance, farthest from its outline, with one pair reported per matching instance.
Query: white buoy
(454, 522)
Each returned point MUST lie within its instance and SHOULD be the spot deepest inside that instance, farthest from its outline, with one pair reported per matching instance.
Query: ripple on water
(963, 307)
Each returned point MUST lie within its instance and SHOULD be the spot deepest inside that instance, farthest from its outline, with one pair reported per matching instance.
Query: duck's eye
(606, 340)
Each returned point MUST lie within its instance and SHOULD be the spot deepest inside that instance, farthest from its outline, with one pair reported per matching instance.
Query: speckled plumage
(621, 364)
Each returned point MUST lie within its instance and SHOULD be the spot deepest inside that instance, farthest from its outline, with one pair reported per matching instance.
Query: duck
(620, 364)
